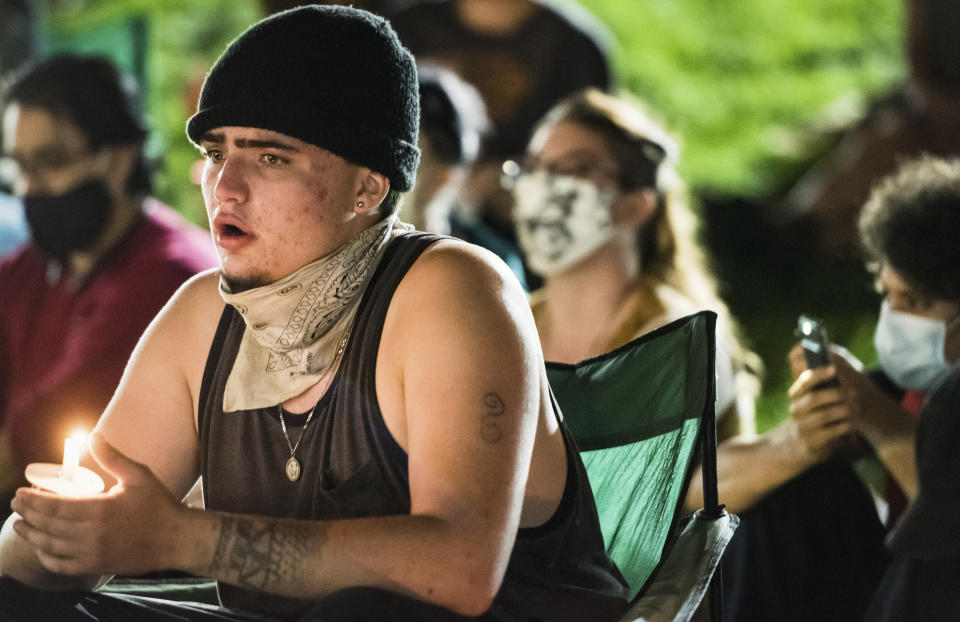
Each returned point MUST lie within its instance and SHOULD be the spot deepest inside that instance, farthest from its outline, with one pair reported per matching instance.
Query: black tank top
(353, 467)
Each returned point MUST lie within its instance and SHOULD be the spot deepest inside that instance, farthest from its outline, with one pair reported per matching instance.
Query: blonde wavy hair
(668, 245)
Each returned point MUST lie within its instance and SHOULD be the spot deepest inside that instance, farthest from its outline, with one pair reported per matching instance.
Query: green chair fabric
(639, 414)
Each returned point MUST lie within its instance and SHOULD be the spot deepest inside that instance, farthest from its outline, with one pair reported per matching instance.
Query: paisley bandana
(296, 324)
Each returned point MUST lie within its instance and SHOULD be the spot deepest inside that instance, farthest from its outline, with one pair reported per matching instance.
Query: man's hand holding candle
(130, 529)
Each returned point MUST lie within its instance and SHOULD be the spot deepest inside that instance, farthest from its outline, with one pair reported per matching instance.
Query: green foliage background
(749, 85)
(744, 81)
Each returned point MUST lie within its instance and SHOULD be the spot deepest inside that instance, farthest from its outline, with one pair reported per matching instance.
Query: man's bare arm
(460, 391)
(150, 417)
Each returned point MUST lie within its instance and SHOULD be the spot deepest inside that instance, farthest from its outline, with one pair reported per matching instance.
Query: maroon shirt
(63, 346)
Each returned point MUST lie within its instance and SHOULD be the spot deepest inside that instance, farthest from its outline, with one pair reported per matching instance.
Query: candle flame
(72, 449)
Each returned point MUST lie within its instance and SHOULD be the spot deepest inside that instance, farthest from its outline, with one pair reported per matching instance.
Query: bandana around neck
(295, 325)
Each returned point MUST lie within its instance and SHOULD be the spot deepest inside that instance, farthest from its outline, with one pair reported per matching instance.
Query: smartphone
(816, 346)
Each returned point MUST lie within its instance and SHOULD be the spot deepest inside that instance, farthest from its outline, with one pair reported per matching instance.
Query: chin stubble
(237, 284)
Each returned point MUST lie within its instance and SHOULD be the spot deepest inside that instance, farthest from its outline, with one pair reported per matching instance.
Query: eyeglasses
(583, 168)
(46, 161)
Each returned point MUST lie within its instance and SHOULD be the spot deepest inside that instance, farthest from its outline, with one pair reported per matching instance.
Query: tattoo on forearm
(261, 554)
(490, 429)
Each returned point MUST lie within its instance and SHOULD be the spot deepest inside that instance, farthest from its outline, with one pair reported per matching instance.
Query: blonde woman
(600, 215)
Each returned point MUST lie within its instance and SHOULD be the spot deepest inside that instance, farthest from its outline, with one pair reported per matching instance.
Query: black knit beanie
(333, 76)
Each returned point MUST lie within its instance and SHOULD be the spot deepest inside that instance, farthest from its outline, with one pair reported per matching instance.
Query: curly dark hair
(911, 222)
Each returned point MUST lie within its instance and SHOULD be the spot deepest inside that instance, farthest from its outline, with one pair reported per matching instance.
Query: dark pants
(811, 550)
(19, 603)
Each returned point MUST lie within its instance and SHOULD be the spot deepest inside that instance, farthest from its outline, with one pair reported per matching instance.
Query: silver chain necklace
(292, 466)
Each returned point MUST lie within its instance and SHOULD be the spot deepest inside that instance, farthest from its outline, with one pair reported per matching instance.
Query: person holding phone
(811, 544)
(909, 228)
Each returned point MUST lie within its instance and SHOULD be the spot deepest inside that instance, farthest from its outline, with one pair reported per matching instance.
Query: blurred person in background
(601, 217)
(17, 44)
(522, 56)
(920, 115)
(102, 259)
(909, 228)
(452, 123)
(816, 535)
(13, 225)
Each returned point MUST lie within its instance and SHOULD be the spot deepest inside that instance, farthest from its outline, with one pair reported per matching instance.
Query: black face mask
(73, 221)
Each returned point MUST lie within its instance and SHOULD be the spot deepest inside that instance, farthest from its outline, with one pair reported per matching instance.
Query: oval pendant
(293, 469)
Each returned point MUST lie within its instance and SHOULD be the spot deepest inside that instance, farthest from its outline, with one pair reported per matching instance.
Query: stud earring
(360, 204)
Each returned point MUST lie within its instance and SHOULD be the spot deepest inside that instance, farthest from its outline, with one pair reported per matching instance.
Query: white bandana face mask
(296, 325)
(560, 220)
(911, 348)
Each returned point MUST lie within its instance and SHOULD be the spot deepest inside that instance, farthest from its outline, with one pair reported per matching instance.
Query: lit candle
(67, 478)
(71, 455)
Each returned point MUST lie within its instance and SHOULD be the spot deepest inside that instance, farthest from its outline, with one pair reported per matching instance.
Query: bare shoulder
(163, 379)
(199, 294)
(194, 309)
(183, 330)
(460, 373)
(460, 306)
(463, 272)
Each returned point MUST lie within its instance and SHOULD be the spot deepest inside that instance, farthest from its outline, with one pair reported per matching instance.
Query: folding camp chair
(639, 414)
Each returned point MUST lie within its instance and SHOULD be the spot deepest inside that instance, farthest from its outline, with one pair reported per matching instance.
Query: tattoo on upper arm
(490, 429)
(260, 554)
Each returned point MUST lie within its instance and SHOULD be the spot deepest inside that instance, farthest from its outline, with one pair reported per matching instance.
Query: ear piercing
(360, 204)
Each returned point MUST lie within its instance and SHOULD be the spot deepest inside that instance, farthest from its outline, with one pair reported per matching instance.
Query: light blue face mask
(911, 348)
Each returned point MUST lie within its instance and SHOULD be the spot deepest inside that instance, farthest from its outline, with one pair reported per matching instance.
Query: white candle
(67, 478)
(71, 455)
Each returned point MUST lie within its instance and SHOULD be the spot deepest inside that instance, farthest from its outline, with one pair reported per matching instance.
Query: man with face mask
(453, 120)
(910, 226)
(814, 542)
(103, 258)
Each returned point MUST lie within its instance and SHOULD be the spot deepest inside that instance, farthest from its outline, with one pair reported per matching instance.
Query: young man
(819, 542)
(910, 227)
(103, 256)
(373, 411)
